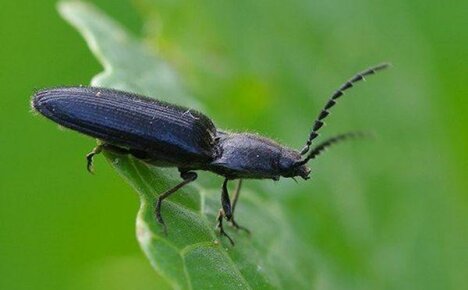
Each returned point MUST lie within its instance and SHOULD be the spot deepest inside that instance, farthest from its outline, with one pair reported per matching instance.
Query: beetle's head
(289, 165)
(292, 163)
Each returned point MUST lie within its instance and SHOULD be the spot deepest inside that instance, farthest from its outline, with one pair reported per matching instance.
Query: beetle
(168, 135)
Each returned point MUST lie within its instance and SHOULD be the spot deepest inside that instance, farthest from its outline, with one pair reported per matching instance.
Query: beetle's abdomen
(164, 130)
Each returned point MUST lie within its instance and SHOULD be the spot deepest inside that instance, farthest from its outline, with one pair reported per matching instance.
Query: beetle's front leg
(225, 201)
(219, 225)
(234, 203)
(225, 211)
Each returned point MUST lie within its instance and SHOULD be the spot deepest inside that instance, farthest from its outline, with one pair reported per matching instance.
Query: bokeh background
(388, 214)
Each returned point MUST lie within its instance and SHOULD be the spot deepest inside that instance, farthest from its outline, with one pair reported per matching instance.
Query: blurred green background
(400, 218)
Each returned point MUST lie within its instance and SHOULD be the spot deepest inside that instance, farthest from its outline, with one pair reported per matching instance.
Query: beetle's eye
(303, 172)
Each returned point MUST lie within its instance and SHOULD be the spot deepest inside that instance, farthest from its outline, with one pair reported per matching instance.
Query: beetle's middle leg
(188, 177)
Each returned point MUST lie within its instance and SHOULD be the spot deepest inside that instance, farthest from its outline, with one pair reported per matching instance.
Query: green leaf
(191, 256)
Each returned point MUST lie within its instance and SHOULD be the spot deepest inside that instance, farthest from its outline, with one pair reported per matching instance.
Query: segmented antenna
(333, 99)
(332, 141)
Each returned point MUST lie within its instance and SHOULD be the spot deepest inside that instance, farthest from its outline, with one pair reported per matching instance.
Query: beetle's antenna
(332, 141)
(332, 101)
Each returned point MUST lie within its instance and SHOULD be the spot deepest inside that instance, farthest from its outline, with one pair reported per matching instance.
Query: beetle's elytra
(164, 134)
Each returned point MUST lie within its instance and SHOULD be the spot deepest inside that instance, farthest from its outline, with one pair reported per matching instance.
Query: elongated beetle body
(167, 135)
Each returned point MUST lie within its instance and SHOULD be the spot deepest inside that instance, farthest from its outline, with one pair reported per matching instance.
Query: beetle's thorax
(245, 155)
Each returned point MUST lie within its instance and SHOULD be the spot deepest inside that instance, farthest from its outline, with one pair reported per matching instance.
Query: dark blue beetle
(167, 135)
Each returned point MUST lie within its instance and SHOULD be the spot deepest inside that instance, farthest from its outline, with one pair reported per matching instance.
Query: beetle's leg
(98, 149)
(236, 195)
(219, 225)
(225, 211)
(89, 158)
(234, 202)
(188, 177)
(225, 201)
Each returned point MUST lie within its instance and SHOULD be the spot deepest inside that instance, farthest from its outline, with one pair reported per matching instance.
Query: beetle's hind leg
(188, 177)
(98, 149)
(89, 158)
(234, 203)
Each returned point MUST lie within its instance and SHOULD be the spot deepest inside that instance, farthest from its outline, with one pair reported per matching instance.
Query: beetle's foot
(219, 226)
(239, 227)
(89, 158)
(159, 216)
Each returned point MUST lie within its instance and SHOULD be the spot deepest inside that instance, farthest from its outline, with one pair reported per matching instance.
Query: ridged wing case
(173, 133)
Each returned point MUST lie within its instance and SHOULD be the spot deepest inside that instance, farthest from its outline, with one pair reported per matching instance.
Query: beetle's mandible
(164, 134)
